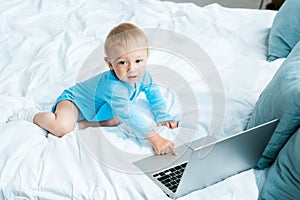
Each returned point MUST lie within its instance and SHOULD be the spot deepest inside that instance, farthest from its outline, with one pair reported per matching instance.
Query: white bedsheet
(43, 46)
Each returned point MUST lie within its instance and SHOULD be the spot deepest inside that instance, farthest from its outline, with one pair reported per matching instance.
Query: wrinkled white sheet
(43, 46)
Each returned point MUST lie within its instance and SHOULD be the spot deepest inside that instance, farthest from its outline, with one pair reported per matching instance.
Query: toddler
(107, 98)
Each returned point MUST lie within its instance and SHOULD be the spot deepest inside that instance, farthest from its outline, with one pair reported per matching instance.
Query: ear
(108, 63)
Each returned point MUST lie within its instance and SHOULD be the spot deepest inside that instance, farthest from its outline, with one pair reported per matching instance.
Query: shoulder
(106, 77)
(146, 80)
(147, 77)
(101, 80)
(109, 83)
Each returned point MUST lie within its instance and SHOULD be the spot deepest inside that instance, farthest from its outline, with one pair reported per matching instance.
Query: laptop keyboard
(171, 177)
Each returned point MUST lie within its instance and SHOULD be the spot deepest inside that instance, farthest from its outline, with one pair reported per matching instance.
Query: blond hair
(125, 35)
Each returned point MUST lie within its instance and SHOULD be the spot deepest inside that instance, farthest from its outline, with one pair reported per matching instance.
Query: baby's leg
(111, 122)
(61, 122)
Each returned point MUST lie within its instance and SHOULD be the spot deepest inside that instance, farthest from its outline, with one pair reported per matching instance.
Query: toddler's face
(129, 66)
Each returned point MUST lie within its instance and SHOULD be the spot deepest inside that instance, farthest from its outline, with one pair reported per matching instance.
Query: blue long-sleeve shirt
(104, 96)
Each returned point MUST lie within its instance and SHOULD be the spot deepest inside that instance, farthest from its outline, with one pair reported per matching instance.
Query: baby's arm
(158, 105)
(160, 144)
(139, 121)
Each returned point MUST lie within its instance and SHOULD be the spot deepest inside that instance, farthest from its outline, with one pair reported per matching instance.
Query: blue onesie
(104, 96)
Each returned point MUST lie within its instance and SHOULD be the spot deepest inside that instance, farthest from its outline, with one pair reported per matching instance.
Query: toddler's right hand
(170, 124)
(161, 145)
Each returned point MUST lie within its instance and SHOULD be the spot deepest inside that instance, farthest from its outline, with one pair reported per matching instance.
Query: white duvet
(46, 45)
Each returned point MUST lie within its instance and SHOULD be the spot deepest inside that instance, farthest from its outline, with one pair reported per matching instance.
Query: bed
(47, 46)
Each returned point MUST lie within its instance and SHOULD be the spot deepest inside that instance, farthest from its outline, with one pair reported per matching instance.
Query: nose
(131, 66)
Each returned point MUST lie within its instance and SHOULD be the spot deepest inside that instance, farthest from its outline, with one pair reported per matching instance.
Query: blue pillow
(285, 30)
(283, 179)
(280, 99)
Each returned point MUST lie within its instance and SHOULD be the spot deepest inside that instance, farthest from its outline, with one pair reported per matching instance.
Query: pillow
(285, 30)
(280, 99)
(283, 179)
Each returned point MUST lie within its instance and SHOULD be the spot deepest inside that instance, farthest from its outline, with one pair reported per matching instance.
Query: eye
(122, 62)
(139, 60)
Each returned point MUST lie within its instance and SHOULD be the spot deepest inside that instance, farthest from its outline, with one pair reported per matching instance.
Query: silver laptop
(207, 161)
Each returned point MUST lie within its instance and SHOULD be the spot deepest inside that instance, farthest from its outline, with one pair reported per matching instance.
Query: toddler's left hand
(170, 124)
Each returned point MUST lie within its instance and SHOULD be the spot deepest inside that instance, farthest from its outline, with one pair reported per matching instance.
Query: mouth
(132, 77)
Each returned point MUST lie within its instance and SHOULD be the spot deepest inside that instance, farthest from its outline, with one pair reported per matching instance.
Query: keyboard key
(161, 173)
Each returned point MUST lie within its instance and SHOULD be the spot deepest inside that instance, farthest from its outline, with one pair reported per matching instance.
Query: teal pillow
(283, 179)
(285, 30)
(279, 100)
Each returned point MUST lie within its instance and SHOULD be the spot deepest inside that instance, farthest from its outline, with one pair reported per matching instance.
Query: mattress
(47, 46)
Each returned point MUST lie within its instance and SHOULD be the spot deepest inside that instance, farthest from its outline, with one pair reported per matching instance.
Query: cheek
(120, 73)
